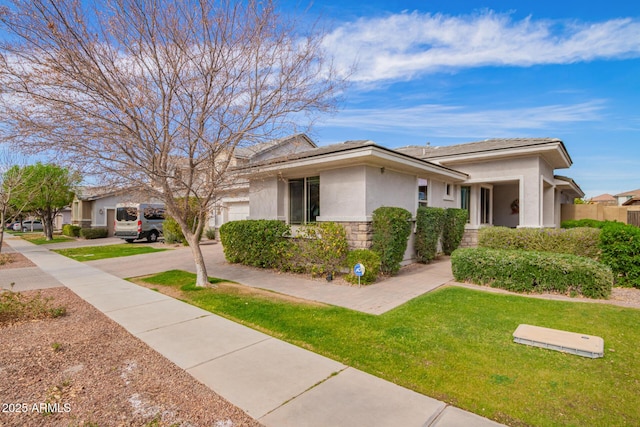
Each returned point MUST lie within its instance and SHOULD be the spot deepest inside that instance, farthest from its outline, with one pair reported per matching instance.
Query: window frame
(310, 204)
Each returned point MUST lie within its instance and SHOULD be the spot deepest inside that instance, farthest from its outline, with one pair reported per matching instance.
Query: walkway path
(275, 382)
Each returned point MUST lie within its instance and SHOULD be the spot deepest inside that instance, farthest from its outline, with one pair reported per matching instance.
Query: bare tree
(158, 94)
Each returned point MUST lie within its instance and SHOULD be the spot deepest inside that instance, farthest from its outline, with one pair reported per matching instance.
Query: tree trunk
(47, 224)
(2, 217)
(202, 279)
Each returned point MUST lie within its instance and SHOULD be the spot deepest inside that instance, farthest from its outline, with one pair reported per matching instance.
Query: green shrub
(429, 227)
(319, 249)
(210, 233)
(453, 231)
(576, 241)
(531, 271)
(16, 306)
(371, 262)
(260, 243)
(391, 229)
(172, 231)
(93, 233)
(620, 245)
(575, 223)
(71, 230)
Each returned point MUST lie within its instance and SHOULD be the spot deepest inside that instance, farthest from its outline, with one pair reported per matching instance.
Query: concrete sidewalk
(275, 382)
(373, 299)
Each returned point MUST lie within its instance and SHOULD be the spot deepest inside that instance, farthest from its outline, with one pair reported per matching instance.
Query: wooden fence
(625, 214)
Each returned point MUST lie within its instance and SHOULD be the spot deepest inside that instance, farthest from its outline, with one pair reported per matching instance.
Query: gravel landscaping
(83, 369)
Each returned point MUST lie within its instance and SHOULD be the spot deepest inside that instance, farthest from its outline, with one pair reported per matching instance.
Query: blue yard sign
(359, 270)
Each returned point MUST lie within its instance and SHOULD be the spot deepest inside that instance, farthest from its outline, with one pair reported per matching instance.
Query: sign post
(359, 270)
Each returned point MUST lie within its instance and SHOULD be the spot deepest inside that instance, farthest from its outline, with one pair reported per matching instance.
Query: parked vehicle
(135, 221)
(28, 225)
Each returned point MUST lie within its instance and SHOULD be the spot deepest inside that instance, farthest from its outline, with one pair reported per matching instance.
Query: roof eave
(371, 154)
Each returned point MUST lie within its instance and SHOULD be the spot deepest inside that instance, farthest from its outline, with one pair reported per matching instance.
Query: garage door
(238, 211)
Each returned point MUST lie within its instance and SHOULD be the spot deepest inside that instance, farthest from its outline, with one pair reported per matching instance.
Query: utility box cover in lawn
(554, 339)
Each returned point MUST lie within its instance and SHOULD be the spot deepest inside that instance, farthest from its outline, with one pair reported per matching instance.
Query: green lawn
(456, 345)
(39, 239)
(91, 253)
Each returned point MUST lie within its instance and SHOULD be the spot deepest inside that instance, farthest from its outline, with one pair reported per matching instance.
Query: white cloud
(461, 122)
(401, 46)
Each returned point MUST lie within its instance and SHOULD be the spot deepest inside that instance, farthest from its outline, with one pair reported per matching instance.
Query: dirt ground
(83, 369)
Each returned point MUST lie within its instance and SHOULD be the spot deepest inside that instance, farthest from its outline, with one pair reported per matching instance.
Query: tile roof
(428, 151)
(603, 198)
(629, 193)
(250, 151)
(326, 149)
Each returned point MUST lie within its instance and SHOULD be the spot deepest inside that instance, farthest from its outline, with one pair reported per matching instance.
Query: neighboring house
(628, 195)
(509, 182)
(234, 204)
(63, 217)
(604, 199)
(634, 201)
(95, 207)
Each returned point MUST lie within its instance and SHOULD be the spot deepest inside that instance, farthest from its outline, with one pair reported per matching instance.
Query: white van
(136, 221)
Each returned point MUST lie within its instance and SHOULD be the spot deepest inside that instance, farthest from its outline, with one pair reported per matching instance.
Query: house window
(304, 200)
(485, 205)
(422, 192)
(448, 191)
(465, 200)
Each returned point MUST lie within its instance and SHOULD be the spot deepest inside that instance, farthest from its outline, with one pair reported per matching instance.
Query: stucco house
(508, 182)
(234, 204)
(604, 199)
(95, 207)
(622, 198)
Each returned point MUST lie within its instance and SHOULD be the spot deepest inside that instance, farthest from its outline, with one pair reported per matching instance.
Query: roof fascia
(349, 155)
(545, 149)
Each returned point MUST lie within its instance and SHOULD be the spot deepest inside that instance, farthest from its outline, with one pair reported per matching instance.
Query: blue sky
(449, 72)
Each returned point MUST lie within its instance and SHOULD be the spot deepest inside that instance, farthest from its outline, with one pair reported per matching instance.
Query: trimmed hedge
(576, 241)
(93, 233)
(391, 229)
(620, 245)
(71, 230)
(260, 243)
(429, 227)
(454, 222)
(371, 262)
(531, 271)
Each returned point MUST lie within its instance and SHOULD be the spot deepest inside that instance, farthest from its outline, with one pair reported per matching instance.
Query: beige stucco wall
(437, 197)
(263, 198)
(531, 173)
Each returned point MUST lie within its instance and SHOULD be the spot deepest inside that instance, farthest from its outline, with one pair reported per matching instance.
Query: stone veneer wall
(469, 239)
(359, 234)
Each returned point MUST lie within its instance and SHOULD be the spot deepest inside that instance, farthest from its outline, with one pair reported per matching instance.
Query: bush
(172, 231)
(260, 243)
(15, 306)
(530, 271)
(453, 231)
(620, 245)
(429, 228)
(391, 229)
(575, 223)
(210, 233)
(93, 233)
(71, 230)
(576, 241)
(319, 249)
(371, 262)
